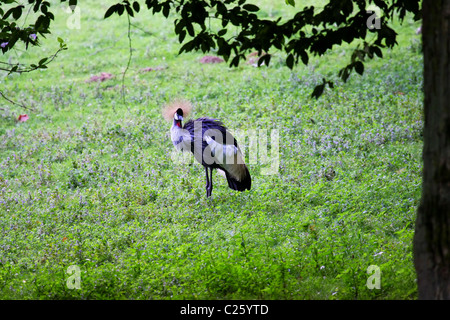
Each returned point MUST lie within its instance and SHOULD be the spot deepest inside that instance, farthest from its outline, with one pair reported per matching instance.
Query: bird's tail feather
(244, 184)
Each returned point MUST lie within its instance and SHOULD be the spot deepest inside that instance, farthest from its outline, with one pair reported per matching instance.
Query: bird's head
(176, 110)
(178, 117)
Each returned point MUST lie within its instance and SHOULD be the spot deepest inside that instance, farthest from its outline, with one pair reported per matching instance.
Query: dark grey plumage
(214, 147)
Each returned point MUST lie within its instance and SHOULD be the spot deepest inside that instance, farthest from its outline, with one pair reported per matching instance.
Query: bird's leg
(210, 182)
(207, 182)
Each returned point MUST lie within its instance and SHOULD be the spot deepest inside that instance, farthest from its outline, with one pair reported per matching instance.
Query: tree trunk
(432, 233)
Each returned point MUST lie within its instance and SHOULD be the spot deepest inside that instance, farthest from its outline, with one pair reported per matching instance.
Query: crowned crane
(211, 143)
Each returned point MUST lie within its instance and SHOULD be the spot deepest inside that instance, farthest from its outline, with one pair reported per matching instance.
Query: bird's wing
(221, 151)
(228, 157)
(224, 148)
(209, 124)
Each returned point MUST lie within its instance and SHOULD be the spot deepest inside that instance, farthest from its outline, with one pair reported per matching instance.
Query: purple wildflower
(3, 44)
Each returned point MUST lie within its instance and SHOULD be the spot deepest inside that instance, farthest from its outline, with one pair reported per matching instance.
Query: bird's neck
(177, 123)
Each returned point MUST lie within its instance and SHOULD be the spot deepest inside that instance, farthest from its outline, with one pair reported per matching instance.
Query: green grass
(89, 179)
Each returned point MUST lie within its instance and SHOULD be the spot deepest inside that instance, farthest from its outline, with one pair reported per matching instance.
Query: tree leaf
(110, 11)
(166, 10)
(359, 67)
(377, 51)
(18, 11)
(14, 69)
(136, 6)
(290, 2)
(190, 29)
(188, 46)
(8, 13)
(331, 84)
(235, 61)
(120, 9)
(129, 10)
(222, 32)
(250, 7)
(179, 24)
(318, 90)
(264, 59)
(304, 57)
(181, 35)
(290, 61)
(42, 61)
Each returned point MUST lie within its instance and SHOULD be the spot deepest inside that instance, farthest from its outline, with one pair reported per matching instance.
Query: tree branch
(15, 103)
(32, 67)
(129, 58)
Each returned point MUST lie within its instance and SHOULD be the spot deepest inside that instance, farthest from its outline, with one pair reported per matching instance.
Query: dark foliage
(310, 31)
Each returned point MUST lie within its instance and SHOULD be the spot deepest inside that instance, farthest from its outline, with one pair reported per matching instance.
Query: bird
(212, 145)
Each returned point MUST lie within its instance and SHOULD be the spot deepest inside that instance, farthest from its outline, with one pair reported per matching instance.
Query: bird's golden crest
(170, 108)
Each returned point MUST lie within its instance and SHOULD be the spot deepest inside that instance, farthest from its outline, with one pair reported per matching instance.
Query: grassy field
(90, 179)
